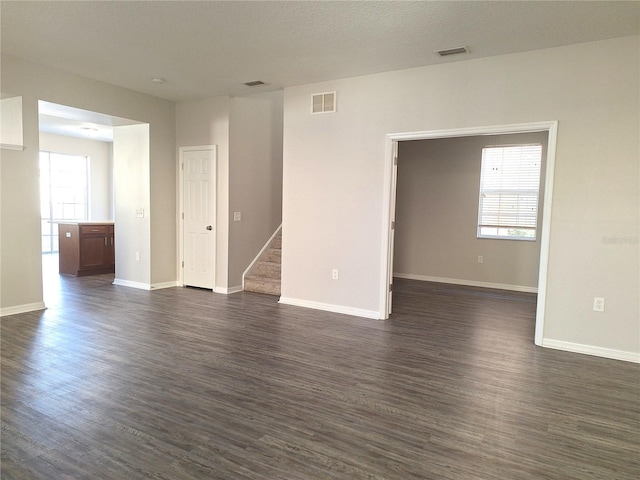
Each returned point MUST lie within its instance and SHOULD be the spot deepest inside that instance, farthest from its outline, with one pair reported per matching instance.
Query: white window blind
(509, 191)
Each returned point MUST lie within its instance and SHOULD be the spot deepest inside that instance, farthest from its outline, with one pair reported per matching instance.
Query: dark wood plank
(112, 382)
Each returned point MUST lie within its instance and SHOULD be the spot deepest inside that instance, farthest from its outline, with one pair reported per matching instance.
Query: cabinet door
(111, 246)
(69, 251)
(94, 251)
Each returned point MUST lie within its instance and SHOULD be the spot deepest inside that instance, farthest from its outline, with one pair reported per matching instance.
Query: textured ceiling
(209, 48)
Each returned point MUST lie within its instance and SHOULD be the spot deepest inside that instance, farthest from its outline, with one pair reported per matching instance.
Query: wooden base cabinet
(86, 248)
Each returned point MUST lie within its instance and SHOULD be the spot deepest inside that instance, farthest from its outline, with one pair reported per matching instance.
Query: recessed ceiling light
(255, 83)
(158, 80)
(452, 51)
(89, 131)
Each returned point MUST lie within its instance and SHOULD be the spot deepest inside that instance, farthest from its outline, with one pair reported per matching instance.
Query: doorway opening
(76, 177)
(391, 171)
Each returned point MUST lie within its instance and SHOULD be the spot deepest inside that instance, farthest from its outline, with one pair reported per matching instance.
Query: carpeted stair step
(272, 255)
(265, 275)
(262, 284)
(268, 269)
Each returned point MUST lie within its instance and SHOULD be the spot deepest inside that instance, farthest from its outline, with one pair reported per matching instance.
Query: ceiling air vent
(255, 83)
(323, 102)
(452, 51)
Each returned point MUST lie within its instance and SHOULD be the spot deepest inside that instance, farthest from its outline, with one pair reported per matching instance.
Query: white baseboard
(131, 284)
(144, 286)
(591, 350)
(158, 286)
(328, 307)
(468, 283)
(27, 307)
(229, 290)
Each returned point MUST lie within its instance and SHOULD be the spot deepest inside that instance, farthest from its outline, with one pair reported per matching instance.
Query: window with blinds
(509, 190)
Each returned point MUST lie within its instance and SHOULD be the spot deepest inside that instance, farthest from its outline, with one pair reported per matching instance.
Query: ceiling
(209, 48)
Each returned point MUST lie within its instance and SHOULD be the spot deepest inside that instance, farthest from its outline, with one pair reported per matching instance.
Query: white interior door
(199, 226)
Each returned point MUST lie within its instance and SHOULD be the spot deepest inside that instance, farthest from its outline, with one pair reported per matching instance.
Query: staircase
(264, 276)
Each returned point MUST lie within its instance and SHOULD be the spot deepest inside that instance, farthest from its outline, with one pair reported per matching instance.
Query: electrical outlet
(237, 216)
(335, 274)
(598, 304)
(137, 256)
(480, 259)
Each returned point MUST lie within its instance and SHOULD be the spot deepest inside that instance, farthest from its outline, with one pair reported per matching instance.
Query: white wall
(20, 230)
(100, 169)
(11, 123)
(437, 216)
(21, 276)
(132, 198)
(334, 178)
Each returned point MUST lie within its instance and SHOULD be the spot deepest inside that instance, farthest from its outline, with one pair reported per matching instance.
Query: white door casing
(198, 169)
(389, 202)
(392, 227)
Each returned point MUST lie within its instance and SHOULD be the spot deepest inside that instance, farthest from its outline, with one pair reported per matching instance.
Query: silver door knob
(209, 227)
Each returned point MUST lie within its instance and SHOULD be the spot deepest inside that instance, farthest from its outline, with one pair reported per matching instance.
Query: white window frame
(515, 189)
(48, 197)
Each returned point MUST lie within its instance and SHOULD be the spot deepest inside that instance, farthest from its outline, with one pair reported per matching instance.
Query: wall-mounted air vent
(452, 51)
(323, 102)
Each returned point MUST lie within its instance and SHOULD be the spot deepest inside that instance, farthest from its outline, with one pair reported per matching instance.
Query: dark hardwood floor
(116, 383)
